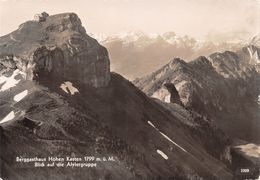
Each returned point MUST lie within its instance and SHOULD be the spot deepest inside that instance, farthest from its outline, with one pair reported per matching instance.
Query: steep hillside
(224, 87)
(58, 99)
(58, 46)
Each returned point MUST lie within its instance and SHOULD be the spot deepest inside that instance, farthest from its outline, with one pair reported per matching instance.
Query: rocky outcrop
(41, 17)
(175, 98)
(223, 86)
(57, 47)
(117, 120)
(168, 93)
(255, 40)
(66, 116)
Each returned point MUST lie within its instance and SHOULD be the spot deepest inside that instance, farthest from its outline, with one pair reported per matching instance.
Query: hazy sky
(225, 19)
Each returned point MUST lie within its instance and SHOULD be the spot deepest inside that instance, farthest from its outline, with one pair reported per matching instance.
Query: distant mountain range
(135, 54)
(58, 98)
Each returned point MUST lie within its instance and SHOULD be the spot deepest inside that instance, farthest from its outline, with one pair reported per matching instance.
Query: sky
(224, 20)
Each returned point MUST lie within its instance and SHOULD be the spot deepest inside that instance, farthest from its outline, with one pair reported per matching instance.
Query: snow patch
(8, 117)
(162, 154)
(257, 57)
(167, 98)
(180, 84)
(20, 96)
(165, 136)
(250, 149)
(226, 76)
(12, 38)
(162, 94)
(253, 55)
(10, 82)
(151, 124)
(69, 88)
(250, 52)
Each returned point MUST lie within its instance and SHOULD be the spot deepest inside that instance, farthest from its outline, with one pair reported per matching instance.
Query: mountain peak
(255, 40)
(176, 62)
(57, 46)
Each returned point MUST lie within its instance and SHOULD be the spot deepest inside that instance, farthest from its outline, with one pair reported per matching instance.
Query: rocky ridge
(214, 86)
(58, 98)
(58, 46)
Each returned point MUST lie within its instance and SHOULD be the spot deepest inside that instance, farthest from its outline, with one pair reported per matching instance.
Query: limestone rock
(57, 47)
(223, 86)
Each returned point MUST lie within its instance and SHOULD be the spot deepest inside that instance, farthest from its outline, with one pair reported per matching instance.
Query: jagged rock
(117, 120)
(7, 61)
(175, 98)
(57, 47)
(255, 40)
(168, 93)
(41, 17)
(223, 86)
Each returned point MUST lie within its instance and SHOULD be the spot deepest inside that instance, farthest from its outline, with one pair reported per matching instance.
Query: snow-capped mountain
(136, 53)
(58, 98)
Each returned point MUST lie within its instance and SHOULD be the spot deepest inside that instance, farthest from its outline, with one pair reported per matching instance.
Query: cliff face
(223, 86)
(117, 120)
(56, 47)
(50, 106)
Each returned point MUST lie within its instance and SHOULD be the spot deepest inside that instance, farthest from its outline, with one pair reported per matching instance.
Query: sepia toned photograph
(129, 89)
